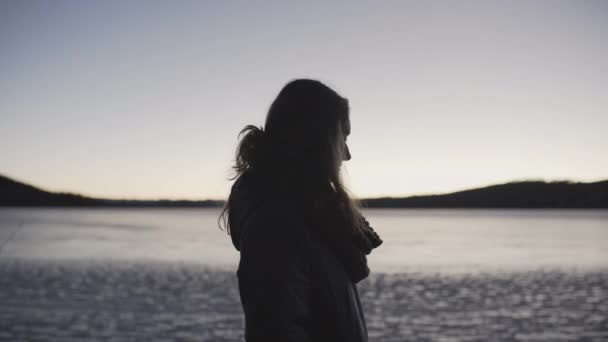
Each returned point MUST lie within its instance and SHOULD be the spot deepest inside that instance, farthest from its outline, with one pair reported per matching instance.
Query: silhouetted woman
(303, 242)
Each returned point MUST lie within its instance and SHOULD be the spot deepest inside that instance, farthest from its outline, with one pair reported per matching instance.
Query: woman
(302, 241)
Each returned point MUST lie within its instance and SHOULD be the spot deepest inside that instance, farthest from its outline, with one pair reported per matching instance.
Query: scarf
(352, 248)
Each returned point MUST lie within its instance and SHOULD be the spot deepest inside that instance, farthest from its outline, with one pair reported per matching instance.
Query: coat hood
(245, 198)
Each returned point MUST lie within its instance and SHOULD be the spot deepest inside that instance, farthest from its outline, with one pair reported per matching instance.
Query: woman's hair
(299, 151)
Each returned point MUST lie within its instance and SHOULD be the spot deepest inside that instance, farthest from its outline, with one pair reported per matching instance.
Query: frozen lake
(444, 240)
(169, 274)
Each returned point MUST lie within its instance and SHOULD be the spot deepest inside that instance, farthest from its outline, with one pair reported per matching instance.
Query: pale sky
(144, 99)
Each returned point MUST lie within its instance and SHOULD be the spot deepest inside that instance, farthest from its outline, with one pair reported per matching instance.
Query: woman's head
(307, 116)
(302, 145)
(305, 127)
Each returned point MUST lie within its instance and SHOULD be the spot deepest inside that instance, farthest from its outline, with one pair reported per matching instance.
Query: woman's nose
(346, 152)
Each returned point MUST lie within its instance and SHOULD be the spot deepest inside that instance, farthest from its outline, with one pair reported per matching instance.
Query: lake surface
(169, 275)
(435, 240)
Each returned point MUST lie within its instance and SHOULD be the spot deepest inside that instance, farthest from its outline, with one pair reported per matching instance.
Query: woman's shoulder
(276, 221)
(277, 218)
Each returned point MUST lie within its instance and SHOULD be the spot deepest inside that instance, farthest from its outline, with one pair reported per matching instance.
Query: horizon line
(520, 180)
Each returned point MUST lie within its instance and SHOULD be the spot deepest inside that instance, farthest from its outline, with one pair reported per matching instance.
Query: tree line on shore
(523, 194)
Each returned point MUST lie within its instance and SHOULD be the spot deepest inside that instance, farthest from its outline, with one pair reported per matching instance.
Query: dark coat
(292, 287)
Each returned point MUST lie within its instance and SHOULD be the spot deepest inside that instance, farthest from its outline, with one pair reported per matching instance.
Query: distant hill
(14, 193)
(527, 194)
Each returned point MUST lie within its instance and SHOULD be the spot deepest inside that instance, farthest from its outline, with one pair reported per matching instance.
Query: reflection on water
(169, 301)
(523, 306)
(168, 274)
(118, 302)
(422, 240)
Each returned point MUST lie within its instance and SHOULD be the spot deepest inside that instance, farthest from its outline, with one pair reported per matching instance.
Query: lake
(169, 275)
(433, 240)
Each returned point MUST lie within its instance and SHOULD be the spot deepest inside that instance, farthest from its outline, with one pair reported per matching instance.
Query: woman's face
(345, 134)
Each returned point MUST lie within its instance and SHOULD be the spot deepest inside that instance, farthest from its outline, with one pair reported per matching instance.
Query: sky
(144, 99)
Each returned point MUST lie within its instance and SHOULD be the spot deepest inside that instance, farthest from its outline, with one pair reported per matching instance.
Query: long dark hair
(299, 151)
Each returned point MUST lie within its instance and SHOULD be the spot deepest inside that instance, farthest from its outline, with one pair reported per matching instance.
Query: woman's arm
(274, 281)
